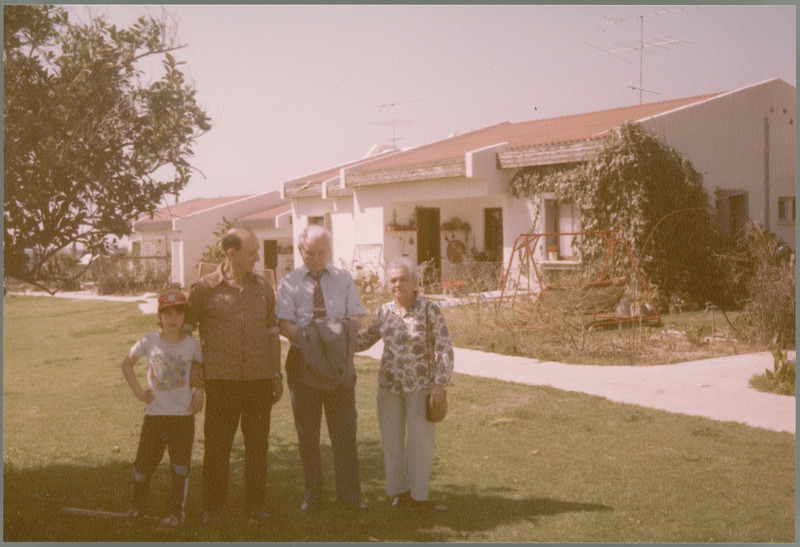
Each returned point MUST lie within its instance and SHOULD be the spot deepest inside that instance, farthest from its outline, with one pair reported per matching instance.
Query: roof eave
(456, 167)
(152, 225)
(549, 154)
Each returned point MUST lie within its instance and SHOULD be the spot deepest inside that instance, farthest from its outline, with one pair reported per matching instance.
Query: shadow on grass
(34, 498)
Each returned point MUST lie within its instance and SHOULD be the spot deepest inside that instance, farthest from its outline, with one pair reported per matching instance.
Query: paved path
(148, 303)
(713, 388)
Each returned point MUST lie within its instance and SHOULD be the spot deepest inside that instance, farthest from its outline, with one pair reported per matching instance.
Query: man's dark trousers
(340, 415)
(228, 401)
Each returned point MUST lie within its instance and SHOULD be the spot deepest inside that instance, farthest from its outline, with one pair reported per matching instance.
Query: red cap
(171, 298)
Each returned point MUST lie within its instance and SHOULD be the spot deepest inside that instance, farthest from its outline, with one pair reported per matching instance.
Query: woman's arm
(442, 348)
(369, 336)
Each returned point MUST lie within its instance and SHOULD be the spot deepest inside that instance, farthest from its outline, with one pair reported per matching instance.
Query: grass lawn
(514, 463)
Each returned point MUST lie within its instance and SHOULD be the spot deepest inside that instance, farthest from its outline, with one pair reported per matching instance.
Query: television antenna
(395, 122)
(642, 44)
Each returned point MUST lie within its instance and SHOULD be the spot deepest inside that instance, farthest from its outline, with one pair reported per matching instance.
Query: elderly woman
(417, 363)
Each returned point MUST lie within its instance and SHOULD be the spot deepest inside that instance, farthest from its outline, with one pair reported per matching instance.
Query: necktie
(319, 300)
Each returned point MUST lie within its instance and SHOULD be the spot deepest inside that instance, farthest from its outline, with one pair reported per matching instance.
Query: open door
(429, 244)
(270, 254)
(493, 233)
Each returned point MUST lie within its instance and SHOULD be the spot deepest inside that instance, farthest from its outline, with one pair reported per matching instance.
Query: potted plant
(395, 226)
(456, 224)
(552, 252)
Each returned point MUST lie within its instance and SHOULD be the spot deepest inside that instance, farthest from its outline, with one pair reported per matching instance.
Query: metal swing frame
(525, 246)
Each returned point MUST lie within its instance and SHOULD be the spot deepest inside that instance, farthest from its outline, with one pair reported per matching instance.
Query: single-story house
(184, 230)
(440, 200)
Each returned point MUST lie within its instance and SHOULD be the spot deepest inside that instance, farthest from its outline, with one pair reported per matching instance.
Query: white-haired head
(312, 232)
(402, 263)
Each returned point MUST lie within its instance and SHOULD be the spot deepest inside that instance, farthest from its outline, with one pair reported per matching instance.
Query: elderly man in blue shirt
(317, 290)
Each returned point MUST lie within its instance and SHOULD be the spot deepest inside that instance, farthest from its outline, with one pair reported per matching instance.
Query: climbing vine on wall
(651, 194)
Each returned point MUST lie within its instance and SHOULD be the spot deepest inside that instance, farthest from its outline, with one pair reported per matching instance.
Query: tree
(213, 253)
(651, 194)
(89, 143)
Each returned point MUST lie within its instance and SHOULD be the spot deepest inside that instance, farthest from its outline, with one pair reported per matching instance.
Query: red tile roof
(269, 213)
(533, 133)
(185, 208)
(316, 179)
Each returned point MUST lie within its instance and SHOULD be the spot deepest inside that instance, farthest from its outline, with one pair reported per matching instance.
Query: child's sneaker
(170, 523)
(134, 517)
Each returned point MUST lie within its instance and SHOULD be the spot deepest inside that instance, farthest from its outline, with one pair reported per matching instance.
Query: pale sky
(295, 89)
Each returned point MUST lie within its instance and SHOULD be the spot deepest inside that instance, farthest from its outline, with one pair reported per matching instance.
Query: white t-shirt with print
(168, 370)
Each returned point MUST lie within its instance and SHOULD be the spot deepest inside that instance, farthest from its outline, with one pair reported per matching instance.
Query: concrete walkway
(148, 303)
(712, 388)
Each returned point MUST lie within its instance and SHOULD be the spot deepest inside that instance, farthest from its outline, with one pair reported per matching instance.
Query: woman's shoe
(401, 500)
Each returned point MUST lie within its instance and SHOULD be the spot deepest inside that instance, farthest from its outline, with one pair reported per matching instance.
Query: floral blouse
(404, 364)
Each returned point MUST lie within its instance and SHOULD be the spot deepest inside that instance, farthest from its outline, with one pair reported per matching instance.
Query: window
(560, 218)
(732, 211)
(319, 221)
(786, 209)
(148, 248)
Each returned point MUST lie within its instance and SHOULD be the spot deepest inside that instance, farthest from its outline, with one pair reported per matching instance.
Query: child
(171, 405)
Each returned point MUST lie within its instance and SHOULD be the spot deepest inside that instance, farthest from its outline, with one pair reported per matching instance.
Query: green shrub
(213, 253)
(781, 379)
(783, 373)
(697, 334)
(132, 275)
(372, 290)
(766, 268)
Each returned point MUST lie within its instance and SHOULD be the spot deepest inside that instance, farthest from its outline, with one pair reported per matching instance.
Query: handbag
(433, 412)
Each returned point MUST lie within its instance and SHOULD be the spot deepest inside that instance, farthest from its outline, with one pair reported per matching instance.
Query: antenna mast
(394, 121)
(642, 45)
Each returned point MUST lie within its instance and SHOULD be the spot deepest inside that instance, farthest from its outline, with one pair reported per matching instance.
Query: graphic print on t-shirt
(169, 371)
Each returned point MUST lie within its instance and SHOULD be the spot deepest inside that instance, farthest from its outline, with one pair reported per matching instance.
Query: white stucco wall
(176, 265)
(196, 231)
(376, 207)
(338, 214)
(342, 229)
(724, 138)
(161, 240)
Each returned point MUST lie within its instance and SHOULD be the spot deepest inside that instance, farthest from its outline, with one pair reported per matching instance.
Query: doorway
(429, 245)
(270, 254)
(493, 233)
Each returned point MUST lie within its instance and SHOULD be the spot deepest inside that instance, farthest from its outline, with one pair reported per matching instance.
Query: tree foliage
(651, 194)
(91, 140)
(213, 253)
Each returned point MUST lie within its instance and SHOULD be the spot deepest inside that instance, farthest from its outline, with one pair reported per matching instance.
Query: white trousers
(408, 460)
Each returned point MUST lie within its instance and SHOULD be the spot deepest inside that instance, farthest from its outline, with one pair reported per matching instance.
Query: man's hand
(277, 390)
(197, 401)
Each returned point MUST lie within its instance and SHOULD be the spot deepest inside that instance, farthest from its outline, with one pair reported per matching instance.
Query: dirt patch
(679, 339)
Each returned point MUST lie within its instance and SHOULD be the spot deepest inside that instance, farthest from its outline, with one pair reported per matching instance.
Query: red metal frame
(615, 241)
